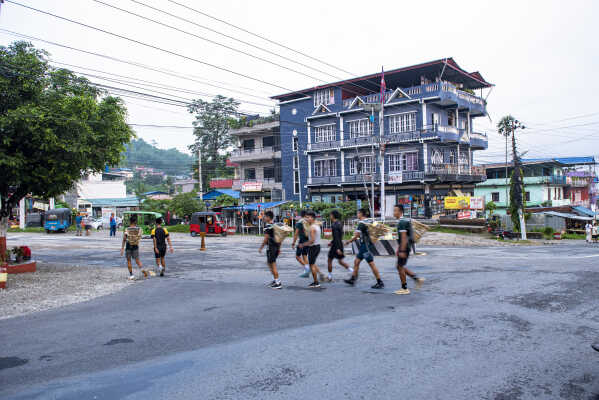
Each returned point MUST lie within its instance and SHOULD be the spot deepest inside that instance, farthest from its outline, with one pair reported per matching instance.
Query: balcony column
(342, 166)
(425, 156)
(458, 152)
(309, 167)
(424, 121)
(341, 133)
(309, 139)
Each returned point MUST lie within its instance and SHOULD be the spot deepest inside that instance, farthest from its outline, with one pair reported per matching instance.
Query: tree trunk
(3, 230)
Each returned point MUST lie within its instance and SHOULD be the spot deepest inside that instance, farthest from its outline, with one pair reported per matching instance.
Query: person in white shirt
(589, 231)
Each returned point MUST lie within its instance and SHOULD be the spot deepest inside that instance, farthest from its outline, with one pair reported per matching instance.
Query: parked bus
(57, 219)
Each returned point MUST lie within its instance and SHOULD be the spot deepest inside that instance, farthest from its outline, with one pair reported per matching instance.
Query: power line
(133, 63)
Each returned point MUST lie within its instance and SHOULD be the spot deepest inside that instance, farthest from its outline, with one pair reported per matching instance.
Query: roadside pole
(382, 157)
(200, 173)
(22, 213)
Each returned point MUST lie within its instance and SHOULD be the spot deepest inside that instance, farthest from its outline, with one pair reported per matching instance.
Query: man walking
(364, 253)
(301, 252)
(336, 245)
(313, 246)
(131, 239)
(273, 249)
(112, 225)
(404, 237)
(79, 223)
(160, 236)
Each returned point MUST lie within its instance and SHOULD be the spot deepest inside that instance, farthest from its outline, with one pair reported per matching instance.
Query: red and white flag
(383, 86)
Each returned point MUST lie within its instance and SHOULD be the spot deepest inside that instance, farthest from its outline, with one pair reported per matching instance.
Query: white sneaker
(351, 271)
(131, 277)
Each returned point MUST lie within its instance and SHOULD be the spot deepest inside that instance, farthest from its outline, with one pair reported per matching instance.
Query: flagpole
(381, 145)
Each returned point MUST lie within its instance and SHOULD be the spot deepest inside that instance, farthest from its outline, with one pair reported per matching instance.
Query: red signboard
(464, 215)
(221, 183)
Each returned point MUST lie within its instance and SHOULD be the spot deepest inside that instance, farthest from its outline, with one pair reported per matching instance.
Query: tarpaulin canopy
(566, 215)
(583, 211)
(255, 206)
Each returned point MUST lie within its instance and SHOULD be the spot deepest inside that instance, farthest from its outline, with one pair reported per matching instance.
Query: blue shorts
(365, 254)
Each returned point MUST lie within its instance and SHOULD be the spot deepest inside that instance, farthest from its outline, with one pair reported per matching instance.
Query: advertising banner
(251, 187)
(395, 177)
(477, 203)
(457, 202)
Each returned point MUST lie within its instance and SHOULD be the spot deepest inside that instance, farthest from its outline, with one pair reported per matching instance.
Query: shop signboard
(251, 187)
(477, 203)
(457, 202)
(395, 177)
(464, 215)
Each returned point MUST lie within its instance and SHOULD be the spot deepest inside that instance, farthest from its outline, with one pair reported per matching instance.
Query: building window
(360, 128)
(325, 96)
(268, 141)
(269, 173)
(248, 144)
(495, 196)
(296, 183)
(360, 165)
(437, 157)
(463, 158)
(394, 162)
(526, 196)
(249, 174)
(295, 144)
(409, 161)
(325, 133)
(295, 162)
(450, 118)
(402, 123)
(451, 158)
(325, 168)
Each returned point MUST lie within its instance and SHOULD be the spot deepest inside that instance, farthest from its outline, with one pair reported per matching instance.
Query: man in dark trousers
(404, 237)
(336, 245)
(301, 253)
(160, 236)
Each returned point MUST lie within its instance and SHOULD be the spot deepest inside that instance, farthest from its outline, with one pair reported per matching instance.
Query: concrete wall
(101, 189)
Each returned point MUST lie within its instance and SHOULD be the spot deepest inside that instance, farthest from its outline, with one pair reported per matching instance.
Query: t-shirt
(316, 228)
(270, 231)
(78, 219)
(404, 225)
(364, 237)
(160, 234)
(112, 221)
(337, 230)
(303, 237)
(133, 230)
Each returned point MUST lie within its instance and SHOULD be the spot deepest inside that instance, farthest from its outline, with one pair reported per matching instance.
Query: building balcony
(479, 140)
(454, 173)
(447, 93)
(256, 185)
(254, 154)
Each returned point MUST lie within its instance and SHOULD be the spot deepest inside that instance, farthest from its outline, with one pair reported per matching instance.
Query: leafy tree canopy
(185, 204)
(54, 126)
(171, 161)
(224, 200)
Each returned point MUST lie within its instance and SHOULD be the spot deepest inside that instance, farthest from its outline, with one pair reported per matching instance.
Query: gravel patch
(53, 286)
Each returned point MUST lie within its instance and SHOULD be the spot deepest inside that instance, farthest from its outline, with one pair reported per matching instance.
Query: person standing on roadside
(361, 234)
(87, 222)
(273, 249)
(404, 237)
(336, 245)
(78, 224)
(313, 246)
(112, 225)
(131, 239)
(589, 232)
(160, 236)
(301, 253)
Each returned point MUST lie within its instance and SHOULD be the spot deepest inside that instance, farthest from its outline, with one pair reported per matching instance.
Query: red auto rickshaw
(208, 222)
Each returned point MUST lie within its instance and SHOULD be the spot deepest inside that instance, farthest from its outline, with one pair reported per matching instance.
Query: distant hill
(171, 161)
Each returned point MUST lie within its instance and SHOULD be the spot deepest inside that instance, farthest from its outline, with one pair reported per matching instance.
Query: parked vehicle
(145, 219)
(96, 224)
(57, 219)
(208, 222)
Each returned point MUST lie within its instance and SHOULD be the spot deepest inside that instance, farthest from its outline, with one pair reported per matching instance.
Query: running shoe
(314, 285)
(131, 277)
(305, 274)
(161, 271)
(378, 285)
(328, 279)
(418, 282)
(402, 291)
(350, 281)
(276, 285)
(351, 270)
(321, 276)
(271, 283)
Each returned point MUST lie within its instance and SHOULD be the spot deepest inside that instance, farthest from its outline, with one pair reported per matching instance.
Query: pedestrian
(273, 249)
(589, 232)
(131, 239)
(404, 239)
(313, 246)
(112, 225)
(160, 236)
(301, 252)
(79, 224)
(336, 245)
(87, 223)
(361, 234)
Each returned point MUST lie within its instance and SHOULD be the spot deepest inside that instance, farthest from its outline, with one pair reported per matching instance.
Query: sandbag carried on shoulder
(418, 230)
(376, 230)
(281, 232)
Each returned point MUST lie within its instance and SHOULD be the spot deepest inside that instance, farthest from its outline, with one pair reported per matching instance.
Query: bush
(181, 228)
(548, 231)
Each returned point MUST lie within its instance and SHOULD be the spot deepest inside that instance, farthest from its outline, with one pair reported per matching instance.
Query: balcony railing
(324, 145)
(256, 153)
(267, 183)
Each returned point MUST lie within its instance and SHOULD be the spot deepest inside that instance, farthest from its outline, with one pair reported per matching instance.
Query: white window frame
(325, 167)
(436, 157)
(324, 96)
(409, 164)
(394, 161)
(366, 165)
(402, 123)
(360, 128)
(325, 133)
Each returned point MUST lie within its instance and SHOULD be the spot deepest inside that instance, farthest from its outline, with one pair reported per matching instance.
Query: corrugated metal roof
(213, 194)
(114, 202)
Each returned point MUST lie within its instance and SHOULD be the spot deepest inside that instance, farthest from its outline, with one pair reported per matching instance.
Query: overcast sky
(542, 55)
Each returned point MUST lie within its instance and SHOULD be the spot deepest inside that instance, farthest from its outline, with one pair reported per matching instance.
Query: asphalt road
(489, 323)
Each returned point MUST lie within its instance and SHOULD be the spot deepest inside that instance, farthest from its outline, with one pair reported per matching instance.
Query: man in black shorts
(313, 246)
(301, 252)
(160, 236)
(272, 251)
(404, 235)
(336, 245)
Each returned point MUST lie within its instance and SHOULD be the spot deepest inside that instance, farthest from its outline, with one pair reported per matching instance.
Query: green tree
(160, 206)
(185, 204)
(211, 130)
(224, 200)
(170, 185)
(54, 126)
(153, 180)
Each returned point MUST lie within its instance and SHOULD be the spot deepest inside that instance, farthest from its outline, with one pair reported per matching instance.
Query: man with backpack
(273, 249)
(404, 238)
(160, 236)
(364, 253)
(131, 240)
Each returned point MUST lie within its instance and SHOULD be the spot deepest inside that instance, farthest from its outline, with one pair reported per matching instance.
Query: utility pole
(200, 172)
(517, 174)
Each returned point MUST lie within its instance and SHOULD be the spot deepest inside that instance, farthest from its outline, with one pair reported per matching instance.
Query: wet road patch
(118, 341)
(12, 362)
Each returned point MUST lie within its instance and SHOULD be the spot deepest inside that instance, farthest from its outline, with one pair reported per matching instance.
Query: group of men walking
(307, 236)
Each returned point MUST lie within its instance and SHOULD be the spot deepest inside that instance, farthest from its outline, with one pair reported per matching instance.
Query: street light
(372, 107)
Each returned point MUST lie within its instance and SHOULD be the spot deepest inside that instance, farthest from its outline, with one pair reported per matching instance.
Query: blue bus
(57, 219)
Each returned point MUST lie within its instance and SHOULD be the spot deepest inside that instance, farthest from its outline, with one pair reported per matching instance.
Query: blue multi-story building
(332, 147)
